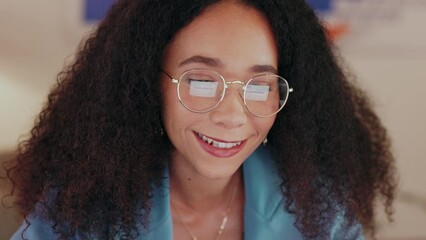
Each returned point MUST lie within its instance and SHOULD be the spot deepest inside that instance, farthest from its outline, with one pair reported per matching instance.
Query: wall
(387, 53)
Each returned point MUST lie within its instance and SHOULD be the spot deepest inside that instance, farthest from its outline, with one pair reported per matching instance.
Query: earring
(265, 141)
(161, 131)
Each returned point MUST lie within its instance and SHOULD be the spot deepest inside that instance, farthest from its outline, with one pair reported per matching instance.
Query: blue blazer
(264, 214)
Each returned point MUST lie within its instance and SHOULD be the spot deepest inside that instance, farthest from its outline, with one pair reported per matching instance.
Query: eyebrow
(264, 68)
(212, 62)
(215, 62)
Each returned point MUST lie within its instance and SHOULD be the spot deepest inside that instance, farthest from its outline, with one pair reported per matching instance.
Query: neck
(198, 193)
(203, 207)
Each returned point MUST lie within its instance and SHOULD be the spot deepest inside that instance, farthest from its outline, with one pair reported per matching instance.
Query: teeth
(218, 144)
(206, 139)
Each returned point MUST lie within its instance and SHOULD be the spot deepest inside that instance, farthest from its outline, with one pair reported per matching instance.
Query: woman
(156, 131)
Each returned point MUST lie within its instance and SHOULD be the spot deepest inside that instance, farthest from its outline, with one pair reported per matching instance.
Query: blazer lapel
(160, 220)
(264, 214)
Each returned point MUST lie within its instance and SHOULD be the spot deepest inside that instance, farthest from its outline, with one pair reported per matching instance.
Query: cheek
(263, 125)
(169, 96)
(169, 103)
(175, 117)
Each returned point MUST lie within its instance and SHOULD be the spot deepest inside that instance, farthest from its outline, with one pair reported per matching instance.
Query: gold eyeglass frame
(226, 85)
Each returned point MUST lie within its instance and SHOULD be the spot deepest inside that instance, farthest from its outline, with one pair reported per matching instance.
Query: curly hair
(96, 150)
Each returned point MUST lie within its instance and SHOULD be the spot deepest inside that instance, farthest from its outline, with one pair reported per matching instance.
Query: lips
(219, 148)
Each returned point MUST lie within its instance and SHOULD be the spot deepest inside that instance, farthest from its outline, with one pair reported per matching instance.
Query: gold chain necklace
(224, 220)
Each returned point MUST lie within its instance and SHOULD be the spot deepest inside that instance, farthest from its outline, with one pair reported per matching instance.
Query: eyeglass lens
(201, 90)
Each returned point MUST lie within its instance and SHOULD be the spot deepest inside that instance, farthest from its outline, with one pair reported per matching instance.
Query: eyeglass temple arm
(171, 78)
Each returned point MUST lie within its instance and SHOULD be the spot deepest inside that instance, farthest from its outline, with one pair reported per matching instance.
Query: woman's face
(237, 42)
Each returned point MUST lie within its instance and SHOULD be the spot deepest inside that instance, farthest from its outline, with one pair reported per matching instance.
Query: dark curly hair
(96, 149)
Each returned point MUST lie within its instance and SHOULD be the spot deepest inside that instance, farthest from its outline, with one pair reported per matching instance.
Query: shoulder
(35, 228)
(340, 229)
(265, 211)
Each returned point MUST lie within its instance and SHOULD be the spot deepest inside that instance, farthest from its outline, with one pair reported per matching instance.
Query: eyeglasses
(200, 90)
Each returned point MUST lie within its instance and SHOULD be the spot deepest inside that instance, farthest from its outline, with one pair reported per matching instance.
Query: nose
(231, 112)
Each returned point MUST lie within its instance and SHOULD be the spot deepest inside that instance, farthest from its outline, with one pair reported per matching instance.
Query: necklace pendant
(223, 224)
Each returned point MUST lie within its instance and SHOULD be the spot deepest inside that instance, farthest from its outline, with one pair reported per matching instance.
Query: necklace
(224, 219)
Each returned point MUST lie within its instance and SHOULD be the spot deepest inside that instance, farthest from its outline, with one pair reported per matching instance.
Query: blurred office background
(383, 42)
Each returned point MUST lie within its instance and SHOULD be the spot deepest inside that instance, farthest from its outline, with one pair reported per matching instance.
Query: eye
(263, 86)
(203, 88)
(201, 80)
(269, 81)
(257, 92)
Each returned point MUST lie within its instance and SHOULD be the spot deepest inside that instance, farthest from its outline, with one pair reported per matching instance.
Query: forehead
(234, 33)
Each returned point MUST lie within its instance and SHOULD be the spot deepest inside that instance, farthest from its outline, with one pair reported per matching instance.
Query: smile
(218, 144)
